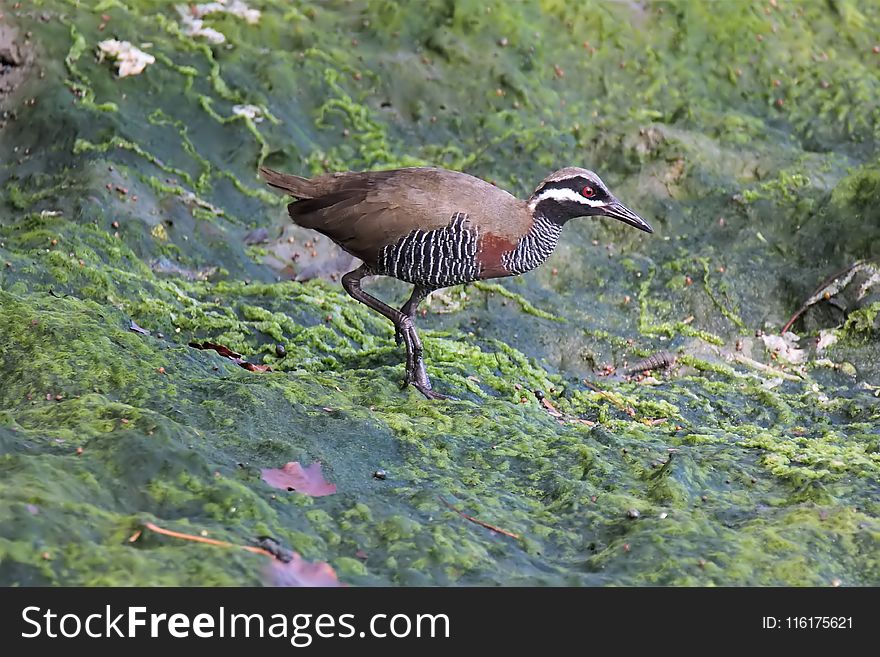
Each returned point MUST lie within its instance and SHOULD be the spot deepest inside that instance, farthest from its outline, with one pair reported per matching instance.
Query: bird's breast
(532, 249)
(492, 252)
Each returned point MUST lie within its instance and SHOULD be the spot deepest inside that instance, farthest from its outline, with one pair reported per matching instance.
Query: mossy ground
(747, 135)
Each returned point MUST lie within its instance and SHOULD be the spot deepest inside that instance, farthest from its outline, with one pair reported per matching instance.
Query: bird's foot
(432, 394)
(418, 378)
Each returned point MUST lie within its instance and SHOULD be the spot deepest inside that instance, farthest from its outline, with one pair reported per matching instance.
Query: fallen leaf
(299, 572)
(550, 407)
(254, 367)
(236, 358)
(219, 348)
(293, 477)
(287, 567)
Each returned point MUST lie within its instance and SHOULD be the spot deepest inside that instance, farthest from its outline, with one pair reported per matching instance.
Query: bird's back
(365, 213)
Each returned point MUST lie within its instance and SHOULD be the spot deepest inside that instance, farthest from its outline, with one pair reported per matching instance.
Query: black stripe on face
(577, 185)
(560, 212)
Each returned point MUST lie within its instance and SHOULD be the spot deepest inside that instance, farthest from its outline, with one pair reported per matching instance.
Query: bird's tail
(296, 186)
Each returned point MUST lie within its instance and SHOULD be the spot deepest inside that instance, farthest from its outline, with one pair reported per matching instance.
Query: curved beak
(618, 210)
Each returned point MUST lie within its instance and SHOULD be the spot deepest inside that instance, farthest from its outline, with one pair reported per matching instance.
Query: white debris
(872, 280)
(191, 16)
(249, 111)
(195, 27)
(821, 396)
(129, 59)
(234, 7)
(769, 384)
(826, 339)
(190, 198)
(784, 346)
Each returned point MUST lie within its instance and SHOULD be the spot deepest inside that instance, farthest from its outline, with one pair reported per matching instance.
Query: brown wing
(363, 212)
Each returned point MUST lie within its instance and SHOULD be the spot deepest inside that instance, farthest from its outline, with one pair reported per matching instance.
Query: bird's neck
(535, 246)
(551, 210)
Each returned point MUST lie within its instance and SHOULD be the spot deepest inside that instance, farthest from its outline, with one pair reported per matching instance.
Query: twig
(830, 286)
(749, 362)
(480, 522)
(203, 539)
(607, 395)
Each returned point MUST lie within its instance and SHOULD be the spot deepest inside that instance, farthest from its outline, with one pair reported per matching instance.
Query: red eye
(588, 192)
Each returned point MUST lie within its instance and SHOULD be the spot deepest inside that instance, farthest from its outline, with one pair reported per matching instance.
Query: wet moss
(741, 476)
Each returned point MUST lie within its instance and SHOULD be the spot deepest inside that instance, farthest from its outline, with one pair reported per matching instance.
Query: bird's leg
(415, 365)
(410, 307)
(352, 284)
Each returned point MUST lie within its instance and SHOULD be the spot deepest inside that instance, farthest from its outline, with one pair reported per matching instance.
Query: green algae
(495, 288)
(739, 479)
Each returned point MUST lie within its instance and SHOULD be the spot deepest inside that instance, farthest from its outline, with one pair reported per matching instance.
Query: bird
(435, 228)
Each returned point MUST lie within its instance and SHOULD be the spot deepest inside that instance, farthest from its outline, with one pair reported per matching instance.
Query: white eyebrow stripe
(565, 194)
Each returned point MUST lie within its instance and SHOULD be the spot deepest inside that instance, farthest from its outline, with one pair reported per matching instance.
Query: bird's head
(574, 192)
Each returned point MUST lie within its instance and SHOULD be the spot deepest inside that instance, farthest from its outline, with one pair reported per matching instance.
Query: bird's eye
(588, 192)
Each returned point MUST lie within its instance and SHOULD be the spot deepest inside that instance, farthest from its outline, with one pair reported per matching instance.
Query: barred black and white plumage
(534, 248)
(434, 258)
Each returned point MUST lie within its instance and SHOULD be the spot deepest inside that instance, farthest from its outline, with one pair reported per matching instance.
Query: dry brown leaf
(293, 477)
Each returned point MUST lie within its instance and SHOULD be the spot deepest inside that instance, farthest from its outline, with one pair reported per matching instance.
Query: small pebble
(380, 474)
(539, 395)
(633, 513)
(280, 351)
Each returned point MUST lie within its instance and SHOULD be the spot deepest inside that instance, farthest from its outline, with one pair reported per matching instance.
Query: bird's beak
(618, 210)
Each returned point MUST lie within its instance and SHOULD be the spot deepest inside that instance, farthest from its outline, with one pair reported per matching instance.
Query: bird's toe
(433, 394)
